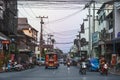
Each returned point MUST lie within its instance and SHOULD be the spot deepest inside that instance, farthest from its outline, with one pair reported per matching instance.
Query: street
(62, 73)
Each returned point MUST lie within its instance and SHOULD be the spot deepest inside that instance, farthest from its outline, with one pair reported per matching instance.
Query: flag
(82, 28)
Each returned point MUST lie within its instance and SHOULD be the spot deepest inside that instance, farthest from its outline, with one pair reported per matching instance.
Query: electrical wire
(21, 14)
(64, 43)
(66, 17)
(31, 9)
(27, 12)
(64, 37)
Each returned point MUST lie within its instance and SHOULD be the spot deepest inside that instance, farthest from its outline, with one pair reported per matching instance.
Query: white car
(41, 61)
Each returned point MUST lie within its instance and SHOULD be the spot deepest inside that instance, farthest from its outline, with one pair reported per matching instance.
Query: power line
(64, 37)
(64, 43)
(66, 17)
(21, 13)
(26, 12)
(31, 10)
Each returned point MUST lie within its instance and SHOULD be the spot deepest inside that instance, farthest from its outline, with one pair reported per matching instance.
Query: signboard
(95, 37)
(1, 46)
(114, 59)
(118, 35)
(5, 41)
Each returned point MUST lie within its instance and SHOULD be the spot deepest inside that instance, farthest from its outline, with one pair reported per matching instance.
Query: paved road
(62, 73)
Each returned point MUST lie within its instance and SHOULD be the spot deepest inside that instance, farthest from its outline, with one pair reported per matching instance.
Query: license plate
(51, 65)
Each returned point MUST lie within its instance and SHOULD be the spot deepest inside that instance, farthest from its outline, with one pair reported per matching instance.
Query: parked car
(94, 64)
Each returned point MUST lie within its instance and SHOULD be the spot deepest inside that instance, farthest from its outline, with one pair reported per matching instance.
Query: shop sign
(118, 35)
(1, 46)
(114, 59)
(95, 37)
(5, 42)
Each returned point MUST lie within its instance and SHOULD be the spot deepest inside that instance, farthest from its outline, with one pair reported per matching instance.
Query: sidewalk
(113, 71)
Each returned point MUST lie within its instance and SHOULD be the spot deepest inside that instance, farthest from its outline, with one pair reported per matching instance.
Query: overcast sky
(63, 24)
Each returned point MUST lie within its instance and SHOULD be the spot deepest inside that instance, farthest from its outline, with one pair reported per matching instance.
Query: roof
(22, 21)
(23, 24)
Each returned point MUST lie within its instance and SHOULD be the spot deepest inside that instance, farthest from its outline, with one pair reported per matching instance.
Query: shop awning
(117, 40)
(24, 50)
(3, 37)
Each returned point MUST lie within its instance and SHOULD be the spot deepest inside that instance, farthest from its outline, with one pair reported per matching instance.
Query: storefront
(116, 48)
(2, 55)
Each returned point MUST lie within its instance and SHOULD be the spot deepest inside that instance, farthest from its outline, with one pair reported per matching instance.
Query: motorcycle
(83, 68)
(104, 70)
(68, 64)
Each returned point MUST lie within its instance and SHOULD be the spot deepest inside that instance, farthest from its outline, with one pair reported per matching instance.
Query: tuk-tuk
(51, 60)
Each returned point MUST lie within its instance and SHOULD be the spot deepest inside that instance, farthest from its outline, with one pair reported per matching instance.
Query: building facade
(8, 27)
(106, 25)
(116, 40)
(29, 33)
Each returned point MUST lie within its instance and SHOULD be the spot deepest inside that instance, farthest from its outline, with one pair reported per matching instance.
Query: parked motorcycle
(18, 67)
(83, 68)
(104, 70)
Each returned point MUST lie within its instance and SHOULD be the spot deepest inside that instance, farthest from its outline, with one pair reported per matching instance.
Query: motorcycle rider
(104, 69)
(83, 65)
(102, 62)
(68, 62)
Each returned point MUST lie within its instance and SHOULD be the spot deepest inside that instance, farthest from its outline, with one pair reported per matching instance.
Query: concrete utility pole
(41, 34)
(79, 44)
(89, 11)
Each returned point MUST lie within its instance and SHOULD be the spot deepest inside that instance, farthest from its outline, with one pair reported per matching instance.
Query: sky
(64, 24)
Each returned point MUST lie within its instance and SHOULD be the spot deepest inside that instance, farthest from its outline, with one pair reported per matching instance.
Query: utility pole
(79, 44)
(93, 16)
(89, 11)
(41, 34)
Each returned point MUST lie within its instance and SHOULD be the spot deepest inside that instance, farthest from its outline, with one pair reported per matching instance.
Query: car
(94, 64)
(41, 61)
(61, 61)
